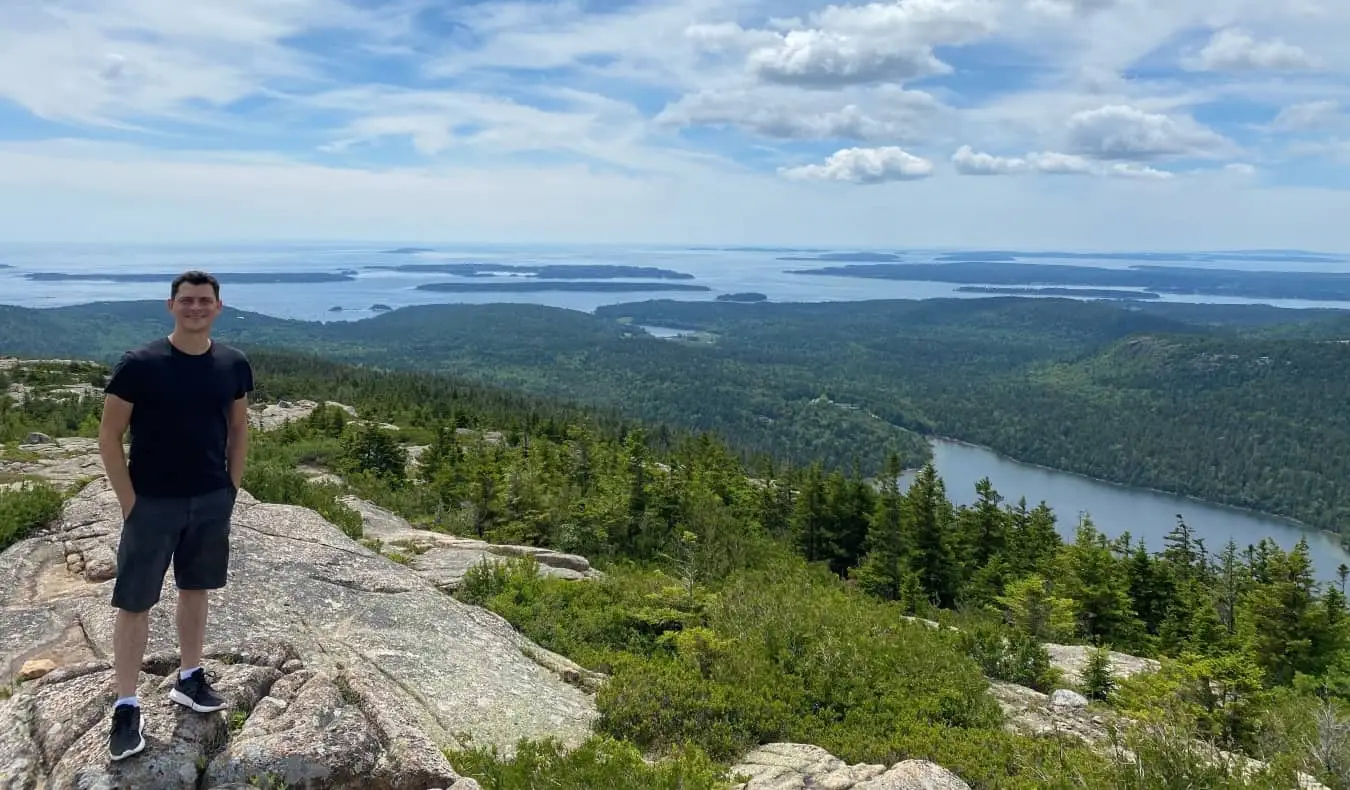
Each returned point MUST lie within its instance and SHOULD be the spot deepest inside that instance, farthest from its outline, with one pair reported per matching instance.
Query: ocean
(722, 271)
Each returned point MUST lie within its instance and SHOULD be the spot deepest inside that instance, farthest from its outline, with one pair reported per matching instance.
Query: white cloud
(971, 163)
(1307, 116)
(874, 43)
(768, 111)
(1124, 132)
(118, 61)
(864, 166)
(527, 119)
(1233, 49)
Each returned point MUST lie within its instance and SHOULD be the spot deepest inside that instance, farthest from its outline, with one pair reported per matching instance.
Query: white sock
(132, 700)
(184, 673)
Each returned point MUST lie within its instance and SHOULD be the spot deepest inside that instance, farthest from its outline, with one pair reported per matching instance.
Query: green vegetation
(751, 603)
(1240, 405)
(25, 509)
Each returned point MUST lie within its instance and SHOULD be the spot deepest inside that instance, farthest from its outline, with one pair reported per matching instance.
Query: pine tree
(1098, 682)
(929, 516)
(885, 566)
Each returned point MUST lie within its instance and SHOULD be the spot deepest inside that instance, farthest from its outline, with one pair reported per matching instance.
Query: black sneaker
(196, 693)
(127, 736)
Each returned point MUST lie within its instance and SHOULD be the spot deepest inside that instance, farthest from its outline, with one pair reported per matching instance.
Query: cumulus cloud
(971, 163)
(873, 43)
(1124, 132)
(864, 166)
(1234, 49)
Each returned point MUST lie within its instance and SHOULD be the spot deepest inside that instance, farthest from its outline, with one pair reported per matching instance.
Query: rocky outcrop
(274, 415)
(289, 724)
(376, 635)
(64, 462)
(1071, 660)
(444, 559)
(797, 766)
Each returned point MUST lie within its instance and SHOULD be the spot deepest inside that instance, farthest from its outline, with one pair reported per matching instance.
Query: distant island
(380, 308)
(1330, 286)
(5, 266)
(565, 271)
(1264, 256)
(860, 257)
(407, 251)
(526, 286)
(337, 308)
(748, 296)
(1094, 293)
(288, 278)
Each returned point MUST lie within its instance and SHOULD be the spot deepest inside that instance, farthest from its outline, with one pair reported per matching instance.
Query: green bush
(25, 509)
(598, 763)
(270, 481)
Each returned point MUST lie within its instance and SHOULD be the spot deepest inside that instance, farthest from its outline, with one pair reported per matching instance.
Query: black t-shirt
(180, 416)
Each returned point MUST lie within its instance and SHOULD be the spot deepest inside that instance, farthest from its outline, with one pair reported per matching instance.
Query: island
(564, 271)
(379, 307)
(746, 297)
(5, 266)
(527, 286)
(275, 278)
(337, 308)
(859, 257)
(407, 251)
(1250, 284)
(1090, 293)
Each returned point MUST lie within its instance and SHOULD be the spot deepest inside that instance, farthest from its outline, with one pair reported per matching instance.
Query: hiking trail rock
(418, 666)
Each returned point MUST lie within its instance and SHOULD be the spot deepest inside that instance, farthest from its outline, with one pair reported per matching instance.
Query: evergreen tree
(885, 568)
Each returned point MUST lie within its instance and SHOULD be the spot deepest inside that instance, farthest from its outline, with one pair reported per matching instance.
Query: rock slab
(308, 729)
(457, 673)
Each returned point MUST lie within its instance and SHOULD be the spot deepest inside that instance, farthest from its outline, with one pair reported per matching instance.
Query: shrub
(26, 509)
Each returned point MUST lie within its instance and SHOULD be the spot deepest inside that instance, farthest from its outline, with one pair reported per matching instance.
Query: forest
(1240, 405)
(761, 601)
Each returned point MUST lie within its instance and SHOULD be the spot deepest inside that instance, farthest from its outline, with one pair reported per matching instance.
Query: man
(185, 399)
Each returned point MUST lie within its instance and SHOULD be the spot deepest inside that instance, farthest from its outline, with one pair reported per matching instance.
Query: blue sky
(1069, 123)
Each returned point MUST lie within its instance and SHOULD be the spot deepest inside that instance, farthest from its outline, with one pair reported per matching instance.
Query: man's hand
(116, 417)
(237, 444)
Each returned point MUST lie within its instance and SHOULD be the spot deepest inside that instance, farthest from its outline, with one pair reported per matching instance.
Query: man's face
(195, 307)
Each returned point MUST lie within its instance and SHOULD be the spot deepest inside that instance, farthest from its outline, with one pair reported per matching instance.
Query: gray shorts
(191, 532)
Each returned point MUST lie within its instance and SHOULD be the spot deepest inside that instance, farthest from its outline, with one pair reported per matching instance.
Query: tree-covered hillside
(1170, 396)
(744, 605)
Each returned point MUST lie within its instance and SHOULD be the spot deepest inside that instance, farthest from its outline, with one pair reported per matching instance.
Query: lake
(1115, 509)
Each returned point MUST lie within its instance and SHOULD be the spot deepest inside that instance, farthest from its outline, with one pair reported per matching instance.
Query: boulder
(420, 660)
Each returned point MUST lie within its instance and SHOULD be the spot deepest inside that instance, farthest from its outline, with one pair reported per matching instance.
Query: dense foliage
(743, 605)
(1234, 404)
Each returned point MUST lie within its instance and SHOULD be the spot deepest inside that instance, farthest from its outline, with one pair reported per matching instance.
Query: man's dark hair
(194, 277)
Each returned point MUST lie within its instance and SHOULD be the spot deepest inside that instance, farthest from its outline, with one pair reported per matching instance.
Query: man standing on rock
(185, 399)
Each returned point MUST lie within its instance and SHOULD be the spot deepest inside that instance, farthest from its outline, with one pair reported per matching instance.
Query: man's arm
(237, 447)
(116, 418)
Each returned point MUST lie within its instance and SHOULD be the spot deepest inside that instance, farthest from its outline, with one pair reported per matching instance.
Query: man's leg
(144, 550)
(192, 605)
(200, 563)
